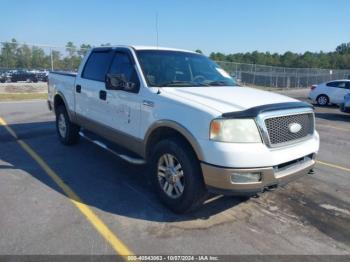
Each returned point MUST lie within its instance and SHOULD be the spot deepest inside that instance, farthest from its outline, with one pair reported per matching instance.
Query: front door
(124, 106)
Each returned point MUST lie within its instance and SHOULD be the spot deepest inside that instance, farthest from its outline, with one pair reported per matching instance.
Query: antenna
(157, 27)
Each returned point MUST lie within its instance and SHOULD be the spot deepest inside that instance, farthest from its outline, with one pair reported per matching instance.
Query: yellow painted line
(333, 165)
(12, 133)
(95, 221)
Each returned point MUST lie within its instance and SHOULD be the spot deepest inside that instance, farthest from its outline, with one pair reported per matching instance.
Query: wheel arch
(59, 100)
(163, 129)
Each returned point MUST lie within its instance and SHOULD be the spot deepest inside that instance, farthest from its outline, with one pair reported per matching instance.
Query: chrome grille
(278, 128)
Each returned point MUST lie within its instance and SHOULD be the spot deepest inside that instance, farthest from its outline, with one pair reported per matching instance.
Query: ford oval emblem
(294, 127)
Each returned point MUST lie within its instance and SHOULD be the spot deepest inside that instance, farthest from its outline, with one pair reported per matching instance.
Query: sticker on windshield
(223, 72)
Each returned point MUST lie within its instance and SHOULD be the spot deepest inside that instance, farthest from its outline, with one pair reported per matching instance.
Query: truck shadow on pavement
(334, 116)
(100, 179)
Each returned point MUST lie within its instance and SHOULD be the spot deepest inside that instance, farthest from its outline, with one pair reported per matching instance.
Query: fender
(71, 113)
(179, 128)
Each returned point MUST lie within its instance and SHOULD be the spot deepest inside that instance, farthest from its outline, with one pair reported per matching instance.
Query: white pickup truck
(185, 117)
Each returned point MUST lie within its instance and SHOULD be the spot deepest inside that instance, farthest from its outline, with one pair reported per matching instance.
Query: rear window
(97, 66)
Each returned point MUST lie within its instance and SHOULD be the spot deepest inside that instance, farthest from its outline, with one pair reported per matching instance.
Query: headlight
(234, 131)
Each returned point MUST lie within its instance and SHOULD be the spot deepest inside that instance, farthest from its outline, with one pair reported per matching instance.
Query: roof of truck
(139, 47)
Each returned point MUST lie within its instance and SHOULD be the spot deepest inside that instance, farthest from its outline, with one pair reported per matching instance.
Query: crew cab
(184, 116)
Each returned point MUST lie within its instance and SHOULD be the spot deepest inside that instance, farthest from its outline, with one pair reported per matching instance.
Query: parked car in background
(345, 106)
(3, 77)
(22, 75)
(42, 75)
(332, 92)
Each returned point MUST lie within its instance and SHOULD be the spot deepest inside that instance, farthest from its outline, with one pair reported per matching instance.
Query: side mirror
(118, 82)
(115, 81)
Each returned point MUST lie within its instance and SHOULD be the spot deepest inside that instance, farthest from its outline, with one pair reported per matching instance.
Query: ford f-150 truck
(184, 116)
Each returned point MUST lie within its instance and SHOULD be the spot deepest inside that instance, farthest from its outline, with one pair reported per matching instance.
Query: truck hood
(228, 98)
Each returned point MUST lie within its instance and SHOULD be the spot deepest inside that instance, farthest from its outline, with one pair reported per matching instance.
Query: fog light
(245, 177)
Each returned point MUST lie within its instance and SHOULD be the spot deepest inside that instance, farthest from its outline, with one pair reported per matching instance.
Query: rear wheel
(176, 175)
(67, 132)
(322, 100)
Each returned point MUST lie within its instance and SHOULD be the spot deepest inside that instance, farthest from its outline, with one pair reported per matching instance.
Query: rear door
(341, 88)
(90, 93)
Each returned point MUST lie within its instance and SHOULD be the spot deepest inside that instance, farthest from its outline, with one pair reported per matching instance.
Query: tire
(322, 100)
(189, 175)
(345, 109)
(67, 132)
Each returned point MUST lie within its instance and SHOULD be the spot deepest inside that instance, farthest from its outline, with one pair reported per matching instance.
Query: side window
(342, 85)
(347, 85)
(122, 65)
(333, 84)
(97, 65)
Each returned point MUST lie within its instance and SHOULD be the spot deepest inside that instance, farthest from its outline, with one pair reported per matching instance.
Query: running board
(132, 160)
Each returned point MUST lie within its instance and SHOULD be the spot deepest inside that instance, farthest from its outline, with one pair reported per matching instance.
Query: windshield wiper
(217, 83)
(181, 83)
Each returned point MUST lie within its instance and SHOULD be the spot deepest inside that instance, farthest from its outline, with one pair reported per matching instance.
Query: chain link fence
(281, 77)
(29, 57)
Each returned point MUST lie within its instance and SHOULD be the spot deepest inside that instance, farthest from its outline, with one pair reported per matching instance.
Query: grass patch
(22, 96)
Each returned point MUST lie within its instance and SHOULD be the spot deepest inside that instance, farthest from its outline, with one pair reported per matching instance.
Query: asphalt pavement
(37, 216)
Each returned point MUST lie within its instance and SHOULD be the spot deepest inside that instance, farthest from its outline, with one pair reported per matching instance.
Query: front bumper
(219, 179)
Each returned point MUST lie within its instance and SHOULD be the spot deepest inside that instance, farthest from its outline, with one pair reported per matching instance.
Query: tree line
(15, 55)
(337, 59)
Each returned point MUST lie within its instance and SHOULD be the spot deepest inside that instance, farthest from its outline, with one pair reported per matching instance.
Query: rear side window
(338, 84)
(97, 66)
(332, 84)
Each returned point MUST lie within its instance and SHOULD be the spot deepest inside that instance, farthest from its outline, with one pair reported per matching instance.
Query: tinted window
(332, 84)
(341, 84)
(122, 65)
(338, 84)
(97, 65)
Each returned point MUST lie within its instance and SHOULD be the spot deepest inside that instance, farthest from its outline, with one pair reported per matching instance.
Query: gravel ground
(23, 87)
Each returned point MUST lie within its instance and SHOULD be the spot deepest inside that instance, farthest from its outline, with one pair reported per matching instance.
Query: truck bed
(65, 83)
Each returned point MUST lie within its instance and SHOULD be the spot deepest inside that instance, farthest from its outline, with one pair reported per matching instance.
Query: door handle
(78, 88)
(103, 95)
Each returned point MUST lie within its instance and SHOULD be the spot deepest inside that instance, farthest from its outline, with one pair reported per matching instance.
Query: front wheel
(177, 176)
(322, 100)
(67, 132)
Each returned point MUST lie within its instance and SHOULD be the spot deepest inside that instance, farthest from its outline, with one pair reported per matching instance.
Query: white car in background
(332, 92)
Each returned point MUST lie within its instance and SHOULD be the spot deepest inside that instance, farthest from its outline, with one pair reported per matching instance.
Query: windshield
(180, 69)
